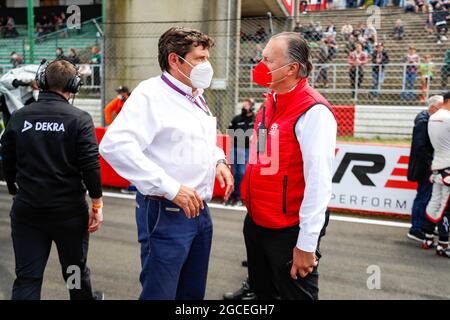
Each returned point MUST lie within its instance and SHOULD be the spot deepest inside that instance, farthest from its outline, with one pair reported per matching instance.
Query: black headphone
(72, 86)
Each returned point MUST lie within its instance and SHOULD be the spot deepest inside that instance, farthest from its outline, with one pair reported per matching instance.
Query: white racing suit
(438, 209)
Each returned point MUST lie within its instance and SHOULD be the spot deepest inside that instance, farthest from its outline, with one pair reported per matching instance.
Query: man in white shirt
(164, 142)
(438, 209)
(296, 137)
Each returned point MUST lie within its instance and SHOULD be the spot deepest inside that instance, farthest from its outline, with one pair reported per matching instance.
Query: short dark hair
(446, 97)
(180, 41)
(58, 74)
(249, 101)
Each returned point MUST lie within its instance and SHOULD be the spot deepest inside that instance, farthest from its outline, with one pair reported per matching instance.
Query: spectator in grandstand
(399, 30)
(60, 24)
(298, 28)
(446, 4)
(332, 46)
(60, 54)
(380, 3)
(351, 44)
(46, 24)
(96, 56)
(429, 27)
(419, 167)
(410, 6)
(421, 6)
(370, 36)
(244, 37)
(10, 28)
(323, 58)
(260, 34)
(412, 61)
(358, 30)
(318, 32)
(330, 30)
(304, 6)
(357, 59)
(433, 3)
(438, 208)
(258, 54)
(366, 45)
(16, 59)
(380, 59)
(113, 108)
(73, 57)
(240, 129)
(351, 3)
(96, 59)
(346, 31)
(309, 32)
(38, 30)
(439, 18)
(426, 69)
(319, 4)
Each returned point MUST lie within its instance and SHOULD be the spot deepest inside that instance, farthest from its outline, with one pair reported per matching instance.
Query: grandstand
(45, 46)
(339, 84)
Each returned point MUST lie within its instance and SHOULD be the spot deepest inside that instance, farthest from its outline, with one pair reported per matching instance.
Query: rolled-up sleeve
(316, 134)
(125, 141)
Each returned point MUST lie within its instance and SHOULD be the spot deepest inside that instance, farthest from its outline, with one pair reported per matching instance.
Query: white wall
(92, 106)
(386, 122)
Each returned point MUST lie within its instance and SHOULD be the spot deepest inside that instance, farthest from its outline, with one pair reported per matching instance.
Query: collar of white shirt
(182, 86)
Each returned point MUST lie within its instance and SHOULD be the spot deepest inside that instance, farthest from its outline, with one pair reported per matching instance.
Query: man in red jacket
(288, 180)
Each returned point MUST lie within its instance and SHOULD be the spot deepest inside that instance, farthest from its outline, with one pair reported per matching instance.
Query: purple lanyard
(205, 108)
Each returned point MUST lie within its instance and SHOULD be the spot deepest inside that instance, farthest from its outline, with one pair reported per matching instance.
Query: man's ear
(294, 68)
(172, 59)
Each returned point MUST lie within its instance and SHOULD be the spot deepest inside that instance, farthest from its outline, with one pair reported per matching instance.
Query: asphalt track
(351, 249)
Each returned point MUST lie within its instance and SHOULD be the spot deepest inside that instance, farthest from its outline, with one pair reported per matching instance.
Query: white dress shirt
(316, 133)
(161, 140)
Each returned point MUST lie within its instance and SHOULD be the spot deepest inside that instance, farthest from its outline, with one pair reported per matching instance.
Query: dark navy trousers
(174, 250)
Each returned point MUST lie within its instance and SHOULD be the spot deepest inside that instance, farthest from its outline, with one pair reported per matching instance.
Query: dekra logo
(44, 126)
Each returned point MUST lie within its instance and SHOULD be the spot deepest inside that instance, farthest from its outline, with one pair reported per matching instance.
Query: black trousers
(33, 231)
(269, 257)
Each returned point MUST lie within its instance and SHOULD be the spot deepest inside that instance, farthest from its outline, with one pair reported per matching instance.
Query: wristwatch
(224, 161)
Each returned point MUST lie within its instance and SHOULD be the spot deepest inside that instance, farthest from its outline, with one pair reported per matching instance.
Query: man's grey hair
(435, 100)
(297, 51)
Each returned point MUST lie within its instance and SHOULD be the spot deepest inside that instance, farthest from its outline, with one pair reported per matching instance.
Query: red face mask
(263, 76)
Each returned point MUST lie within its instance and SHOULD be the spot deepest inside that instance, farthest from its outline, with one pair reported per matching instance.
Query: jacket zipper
(284, 193)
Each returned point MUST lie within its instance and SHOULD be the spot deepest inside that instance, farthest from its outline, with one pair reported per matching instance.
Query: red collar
(282, 97)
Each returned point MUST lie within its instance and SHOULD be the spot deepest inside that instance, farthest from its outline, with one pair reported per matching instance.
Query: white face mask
(35, 95)
(201, 74)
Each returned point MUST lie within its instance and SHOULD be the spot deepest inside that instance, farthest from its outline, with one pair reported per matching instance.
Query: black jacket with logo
(50, 154)
(421, 154)
(244, 122)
